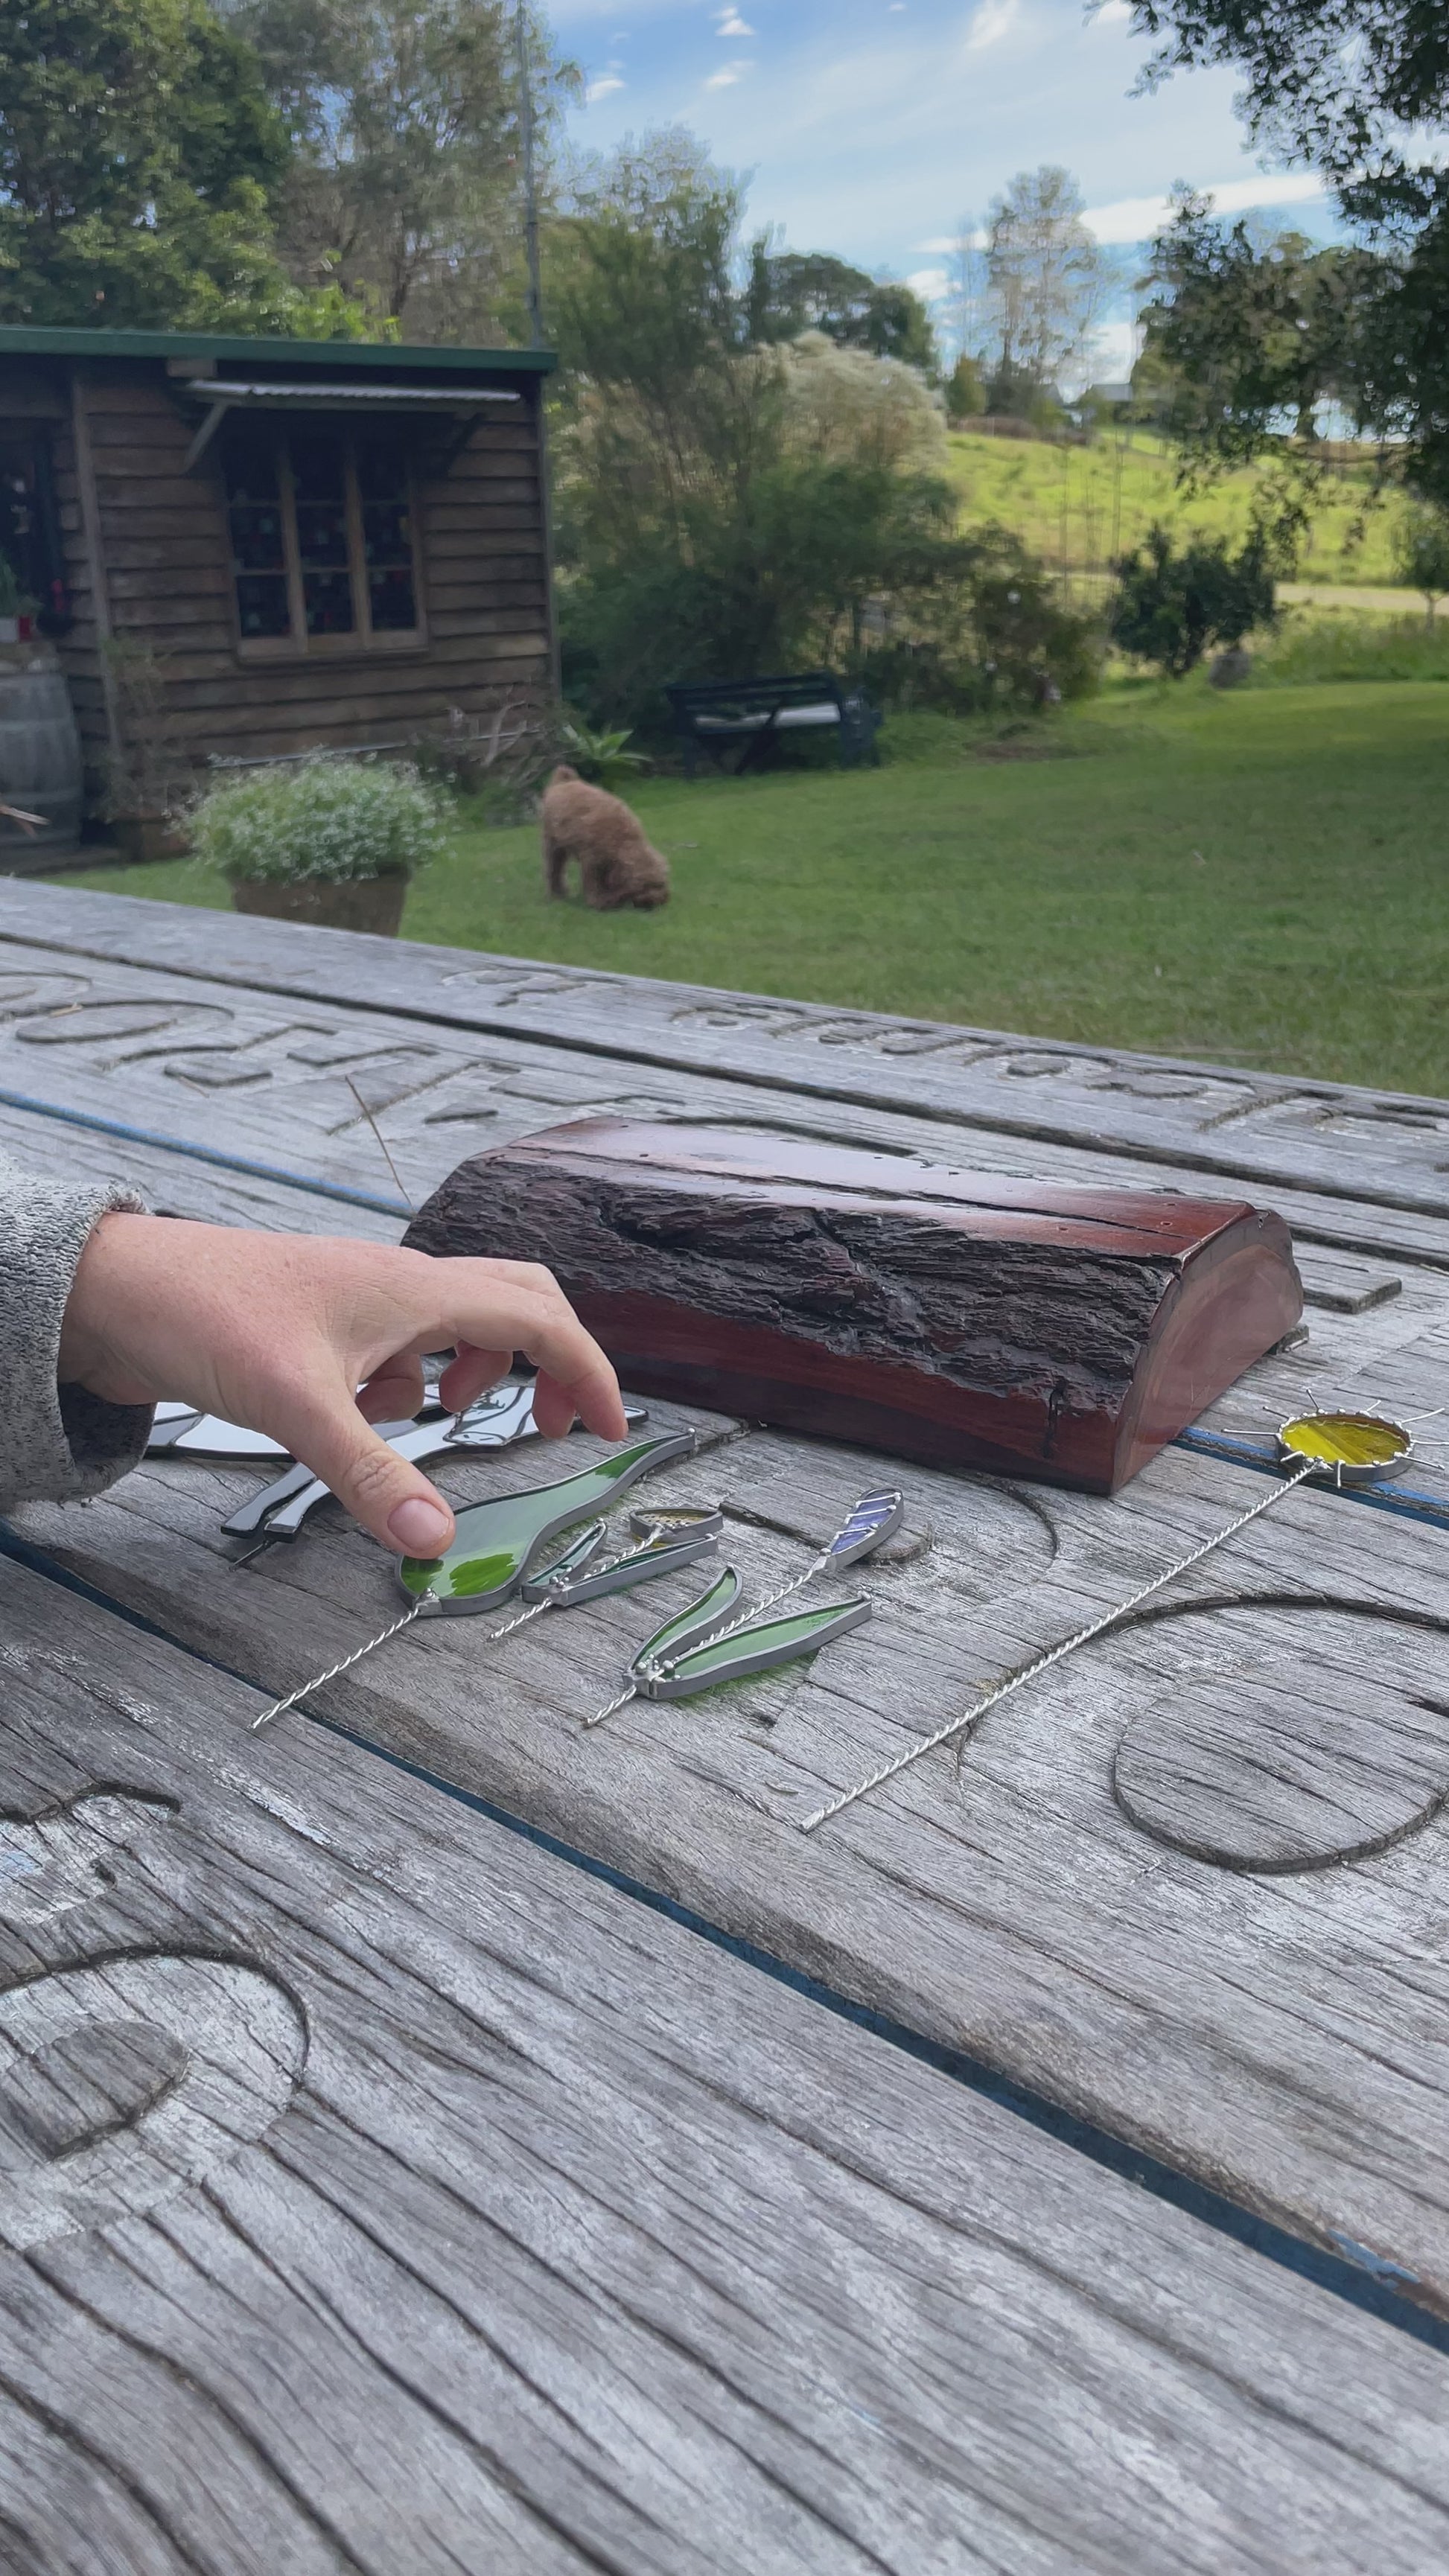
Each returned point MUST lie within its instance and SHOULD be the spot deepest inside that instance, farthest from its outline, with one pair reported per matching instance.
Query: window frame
(364, 640)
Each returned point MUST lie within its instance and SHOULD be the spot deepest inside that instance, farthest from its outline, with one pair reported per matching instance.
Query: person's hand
(278, 1331)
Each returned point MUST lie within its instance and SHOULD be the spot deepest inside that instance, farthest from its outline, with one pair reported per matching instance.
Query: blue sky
(872, 126)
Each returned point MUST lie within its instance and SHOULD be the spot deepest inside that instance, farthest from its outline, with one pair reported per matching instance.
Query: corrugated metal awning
(223, 395)
(384, 397)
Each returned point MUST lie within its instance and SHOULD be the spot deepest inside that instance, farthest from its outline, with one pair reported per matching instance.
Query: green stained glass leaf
(570, 1561)
(497, 1541)
(679, 1541)
(710, 1611)
(750, 1650)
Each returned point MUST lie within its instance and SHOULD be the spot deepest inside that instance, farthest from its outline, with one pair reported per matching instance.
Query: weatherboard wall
(148, 561)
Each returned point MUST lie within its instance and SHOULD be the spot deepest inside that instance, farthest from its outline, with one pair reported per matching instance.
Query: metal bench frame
(711, 715)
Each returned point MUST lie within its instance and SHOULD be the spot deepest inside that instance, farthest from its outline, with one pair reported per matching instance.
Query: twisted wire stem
(520, 1619)
(629, 1691)
(1053, 1655)
(610, 1565)
(280, 1706)
(395, 1627)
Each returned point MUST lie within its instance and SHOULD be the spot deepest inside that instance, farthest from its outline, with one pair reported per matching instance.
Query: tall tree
(1046, 280)
(725, 505)
(1356, 89)
(639, 287)
(1255, 333)
(137, 152)
(967, 321)
(791, 292)
(1345, 85)
(404, 120)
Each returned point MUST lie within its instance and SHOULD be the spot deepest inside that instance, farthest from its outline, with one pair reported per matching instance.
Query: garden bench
(713, 715)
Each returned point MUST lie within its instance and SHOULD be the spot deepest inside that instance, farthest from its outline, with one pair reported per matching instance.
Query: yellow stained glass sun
(1353, 1448)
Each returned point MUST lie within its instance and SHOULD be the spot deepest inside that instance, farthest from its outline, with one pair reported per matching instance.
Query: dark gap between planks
(1354, 2274)
(192, 1152)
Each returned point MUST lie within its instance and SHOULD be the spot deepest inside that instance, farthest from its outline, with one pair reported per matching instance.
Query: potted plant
(323, 839)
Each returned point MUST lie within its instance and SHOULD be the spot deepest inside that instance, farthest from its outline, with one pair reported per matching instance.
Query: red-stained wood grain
(958, 1318)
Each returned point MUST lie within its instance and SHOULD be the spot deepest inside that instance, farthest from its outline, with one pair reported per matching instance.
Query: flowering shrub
(337, 820)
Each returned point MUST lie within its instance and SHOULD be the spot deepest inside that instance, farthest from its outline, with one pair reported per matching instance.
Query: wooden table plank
(236, 1071)
(1384, 1150)
(1011, 1906)
(1282, 2037)
(178, 1184)
(492, 2221)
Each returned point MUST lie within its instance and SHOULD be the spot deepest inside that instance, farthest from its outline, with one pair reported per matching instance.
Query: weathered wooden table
(433, 2137)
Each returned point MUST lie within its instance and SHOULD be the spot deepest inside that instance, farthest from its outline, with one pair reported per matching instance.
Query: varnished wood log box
(958, 1318)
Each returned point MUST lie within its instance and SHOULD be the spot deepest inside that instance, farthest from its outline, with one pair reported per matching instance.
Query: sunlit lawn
(1261, 878)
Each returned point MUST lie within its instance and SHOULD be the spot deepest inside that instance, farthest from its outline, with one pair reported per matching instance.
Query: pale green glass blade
(707, 1612)
(666, 1553)
(497, 1540)
(570, 1561)
(753, 1650)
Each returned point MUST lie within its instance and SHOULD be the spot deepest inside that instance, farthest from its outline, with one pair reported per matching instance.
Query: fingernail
(418, 1528)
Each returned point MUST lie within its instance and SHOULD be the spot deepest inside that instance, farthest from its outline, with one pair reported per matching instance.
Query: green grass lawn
(1078, 506)
(1260, 878)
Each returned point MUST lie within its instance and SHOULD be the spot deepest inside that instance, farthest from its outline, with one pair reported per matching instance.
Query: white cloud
(929, 283)
(942, 243)
(604, 88)
(1113, 13)
(993, 20)
(732, 24)
(873, 140)
(1289, 188)
(727, 78)
(1134, 219)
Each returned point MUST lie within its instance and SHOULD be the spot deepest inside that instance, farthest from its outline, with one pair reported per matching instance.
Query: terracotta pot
(363, 903)
(143, 838)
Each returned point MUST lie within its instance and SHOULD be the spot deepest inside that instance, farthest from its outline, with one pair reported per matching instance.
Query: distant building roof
(372, 356)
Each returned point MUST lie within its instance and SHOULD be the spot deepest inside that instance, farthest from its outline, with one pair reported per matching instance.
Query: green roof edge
(18, 340)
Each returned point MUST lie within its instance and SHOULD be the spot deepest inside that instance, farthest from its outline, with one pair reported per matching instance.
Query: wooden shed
(242, 548)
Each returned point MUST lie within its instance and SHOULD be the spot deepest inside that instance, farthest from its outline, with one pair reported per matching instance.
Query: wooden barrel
(40, 765)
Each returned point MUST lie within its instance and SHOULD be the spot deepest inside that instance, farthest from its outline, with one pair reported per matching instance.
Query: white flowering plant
(327, 820)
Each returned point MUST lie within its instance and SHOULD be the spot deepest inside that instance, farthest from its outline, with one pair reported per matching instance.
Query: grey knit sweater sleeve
(56, 1442)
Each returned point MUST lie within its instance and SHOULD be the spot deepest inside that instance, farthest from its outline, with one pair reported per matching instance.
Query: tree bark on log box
(958, 1318)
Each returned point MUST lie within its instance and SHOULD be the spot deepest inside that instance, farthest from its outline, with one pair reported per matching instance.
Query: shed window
(321, 536)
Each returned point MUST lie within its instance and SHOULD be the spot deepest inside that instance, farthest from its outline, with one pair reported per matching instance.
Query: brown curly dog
(617, 866)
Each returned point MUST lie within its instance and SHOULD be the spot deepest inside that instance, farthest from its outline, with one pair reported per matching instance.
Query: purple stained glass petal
(874, 1519)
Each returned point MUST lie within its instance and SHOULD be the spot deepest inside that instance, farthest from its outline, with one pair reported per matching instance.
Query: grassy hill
(1078, 506)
